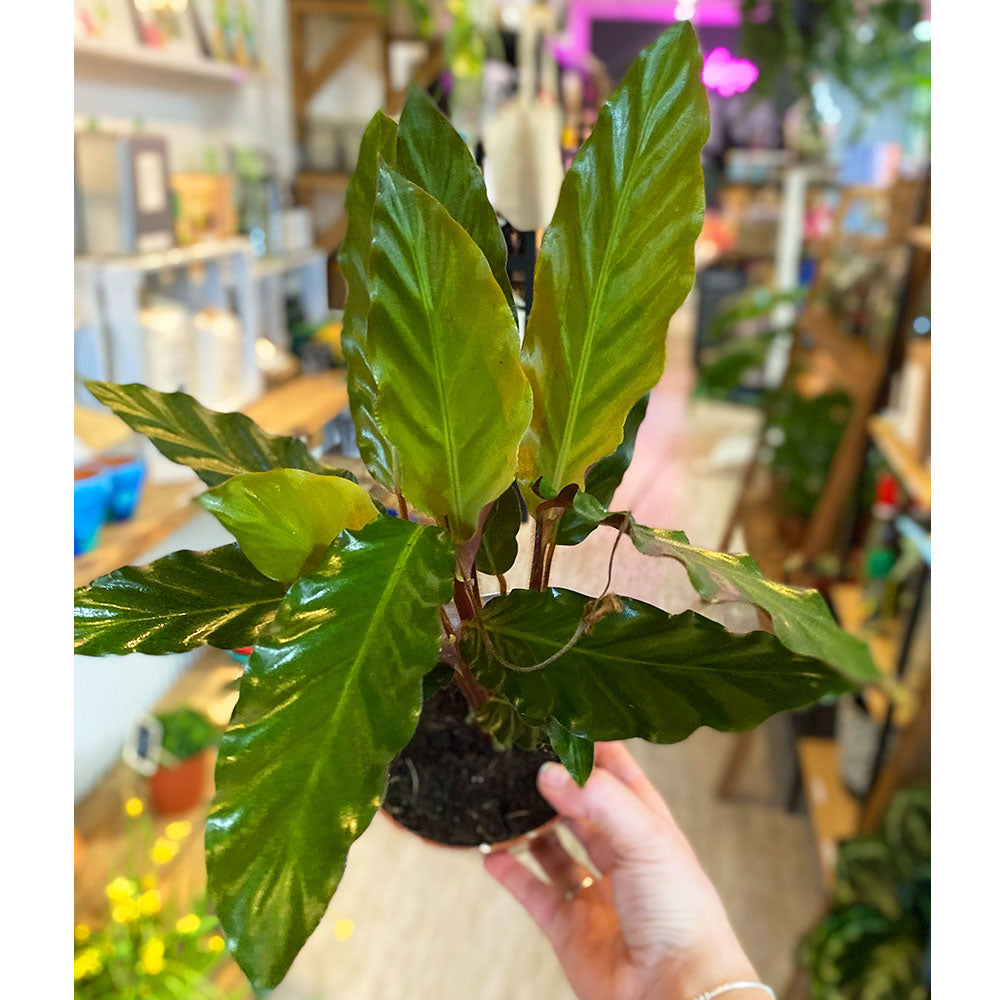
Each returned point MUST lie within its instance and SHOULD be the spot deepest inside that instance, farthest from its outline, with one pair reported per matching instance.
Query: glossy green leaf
(377, 452)
(616, 262)
(604, 478)
(286, 518)
(498, 548)
(330, 696)
(215, 445)
(440, 677)
(500, 719)
(443, 347)
(182, 601)
(636, 672)
(800, 616)
(432, 155)
(576, 752)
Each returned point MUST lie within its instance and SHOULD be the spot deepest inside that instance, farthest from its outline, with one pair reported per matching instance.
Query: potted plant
(347, 607)
(186, 740)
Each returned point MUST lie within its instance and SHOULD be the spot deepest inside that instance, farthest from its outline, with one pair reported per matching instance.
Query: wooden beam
(334, 58)
(332, 8)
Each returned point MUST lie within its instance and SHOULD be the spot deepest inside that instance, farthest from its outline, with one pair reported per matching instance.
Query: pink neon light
(726, 75)
(576, 44)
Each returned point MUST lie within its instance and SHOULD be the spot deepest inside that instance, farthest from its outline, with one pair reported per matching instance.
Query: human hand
(652, 927)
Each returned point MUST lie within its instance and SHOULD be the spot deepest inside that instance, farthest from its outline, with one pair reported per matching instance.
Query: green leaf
(377, 452)
(576, 752)
(285, 518)
(800, 616)
(604, 478)
(498, 548)
(432, 155)
(330, 696)
(499, 718)
(440, 677)
(636, 672)
(616, 262)
(443, 347)
(182, 601)
(730, 362)
(215, 445)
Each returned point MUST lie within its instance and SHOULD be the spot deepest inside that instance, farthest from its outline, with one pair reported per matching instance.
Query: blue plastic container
(127, 475)
(91, 497)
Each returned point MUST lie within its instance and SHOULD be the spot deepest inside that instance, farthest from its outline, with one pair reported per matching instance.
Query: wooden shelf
(322, 180)
(884, 644)
(839, 357)
(299, 407)
(100, 56)
(833, 811)
(920, 237)
(915, 475)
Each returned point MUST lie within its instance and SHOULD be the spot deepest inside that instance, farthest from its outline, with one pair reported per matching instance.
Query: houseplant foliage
(456, 422)
(873, 943)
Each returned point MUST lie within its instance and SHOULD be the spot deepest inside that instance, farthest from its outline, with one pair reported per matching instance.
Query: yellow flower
(121, 889)
(216, 943)
(133, 807)
(87, 963)
(152, 956)
(178, 830)
(125, 912)
(81, 932)
(189, 923)
(343, 929)
(149, 903)
(147, 882)
(163, 850)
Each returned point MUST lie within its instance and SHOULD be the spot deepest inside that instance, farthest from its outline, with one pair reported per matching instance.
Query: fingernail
(552, 774)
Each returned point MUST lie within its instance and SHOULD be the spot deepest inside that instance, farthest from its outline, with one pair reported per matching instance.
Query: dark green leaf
(432, 155)
(379, 456)
(498, 548)
(440, 677)
(443, 347)
(286, 517)
(636, 672)
(576, 752)
(724, 371)
(800, 616)
(604, 478)
(331, 695)
(182, 601)
(616, 261)
(215, 445)
(499, 718)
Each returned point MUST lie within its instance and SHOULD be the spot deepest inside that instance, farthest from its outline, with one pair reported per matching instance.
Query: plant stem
(449, 629)
(463, 603)
(503, 584)
(404, 511)
(538, 554)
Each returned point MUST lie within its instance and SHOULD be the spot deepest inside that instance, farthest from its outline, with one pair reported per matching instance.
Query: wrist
(689, 979)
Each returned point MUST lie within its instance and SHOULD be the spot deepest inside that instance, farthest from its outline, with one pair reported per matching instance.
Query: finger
(631, 827)
(563, 871)
(614, 757)
(540, 900)
(594, 842)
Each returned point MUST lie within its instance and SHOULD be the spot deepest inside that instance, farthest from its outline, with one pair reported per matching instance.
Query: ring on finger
(584, 883)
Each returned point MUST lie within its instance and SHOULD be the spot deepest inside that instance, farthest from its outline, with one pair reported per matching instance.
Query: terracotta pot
(177, 789)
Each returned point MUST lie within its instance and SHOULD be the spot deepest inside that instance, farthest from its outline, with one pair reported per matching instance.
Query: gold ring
(585, 883)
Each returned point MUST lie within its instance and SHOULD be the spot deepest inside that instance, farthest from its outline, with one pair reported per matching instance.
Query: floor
(415, 921)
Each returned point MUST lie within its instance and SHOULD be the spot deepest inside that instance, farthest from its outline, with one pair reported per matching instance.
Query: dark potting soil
(451, 786)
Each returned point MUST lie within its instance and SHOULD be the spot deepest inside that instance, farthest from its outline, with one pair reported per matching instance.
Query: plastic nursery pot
(91, 496)
(179, 788)
(451, 786)
(127, 473)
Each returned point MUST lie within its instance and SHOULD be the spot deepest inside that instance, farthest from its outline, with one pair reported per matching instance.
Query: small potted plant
(356, 617)
(183, 757)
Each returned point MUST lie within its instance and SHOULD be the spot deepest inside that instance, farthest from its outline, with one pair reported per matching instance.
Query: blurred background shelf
(915, 475)
(100, 57)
